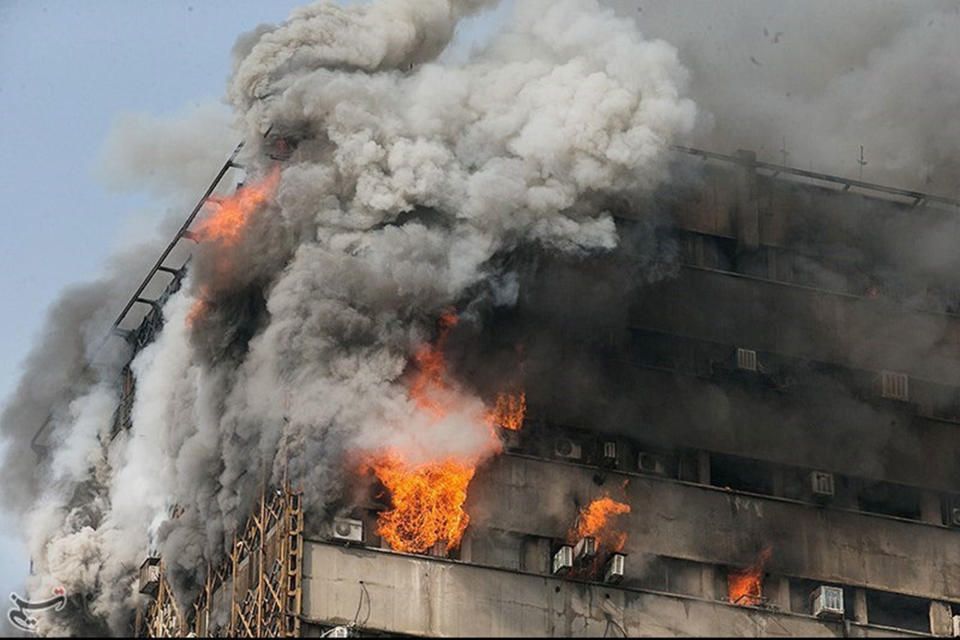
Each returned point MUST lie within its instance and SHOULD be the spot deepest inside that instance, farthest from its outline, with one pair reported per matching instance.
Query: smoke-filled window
(895, 610)
(891, 499)
(740, 474)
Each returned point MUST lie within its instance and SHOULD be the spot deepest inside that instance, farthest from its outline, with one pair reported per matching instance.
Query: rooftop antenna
(861, 162)
(783, 150)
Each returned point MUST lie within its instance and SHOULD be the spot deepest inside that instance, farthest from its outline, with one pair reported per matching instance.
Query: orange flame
(597, 521)
(197, 311)
(509, 411)
(427, 503)
(432, 370)
(746, 586)
(427, 497)
(231, 214)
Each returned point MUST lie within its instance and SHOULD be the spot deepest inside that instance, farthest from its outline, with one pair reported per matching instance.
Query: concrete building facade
(784, 399)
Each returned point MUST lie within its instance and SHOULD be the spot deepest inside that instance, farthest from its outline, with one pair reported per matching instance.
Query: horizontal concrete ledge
(425, 595)
(746, 494)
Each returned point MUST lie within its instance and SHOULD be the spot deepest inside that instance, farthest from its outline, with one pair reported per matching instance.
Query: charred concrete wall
(834, 293)
(430, 597)
(718, 527)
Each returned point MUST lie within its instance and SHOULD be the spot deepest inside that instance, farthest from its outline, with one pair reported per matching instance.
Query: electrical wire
(356, 615)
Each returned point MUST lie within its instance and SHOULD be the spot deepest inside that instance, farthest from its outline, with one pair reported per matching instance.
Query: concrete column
(781, 594)
(778, 481)
(703, 467)
(748, 209)
(707, 580)
(466, 545)
(930, 507)
(941, 619)
(859, 605)
(771, 263)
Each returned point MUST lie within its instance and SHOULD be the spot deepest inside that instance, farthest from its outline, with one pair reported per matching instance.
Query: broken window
(741, 474)
(895, 610)
(891, 499)
(496, 548)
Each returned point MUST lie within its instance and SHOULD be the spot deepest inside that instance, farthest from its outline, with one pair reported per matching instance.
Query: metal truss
(260, 581)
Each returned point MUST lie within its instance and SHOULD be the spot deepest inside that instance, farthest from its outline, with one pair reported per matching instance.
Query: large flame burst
(225, 226)
(746, 586)
(509, 411)
(427, 503)
(427, 497)
(231, 214)
(597, 521)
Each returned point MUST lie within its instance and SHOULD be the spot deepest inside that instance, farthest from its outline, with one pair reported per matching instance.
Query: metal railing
(918, 197)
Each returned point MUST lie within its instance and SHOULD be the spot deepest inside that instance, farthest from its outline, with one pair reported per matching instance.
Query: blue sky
(68, 69)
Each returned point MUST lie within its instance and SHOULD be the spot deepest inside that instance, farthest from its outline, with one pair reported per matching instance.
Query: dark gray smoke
(403, 181)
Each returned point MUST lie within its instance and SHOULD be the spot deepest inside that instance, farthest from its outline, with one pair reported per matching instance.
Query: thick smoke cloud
(284, 356)
(824, 77)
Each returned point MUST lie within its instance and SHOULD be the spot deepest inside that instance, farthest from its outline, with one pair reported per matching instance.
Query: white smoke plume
(284, 355)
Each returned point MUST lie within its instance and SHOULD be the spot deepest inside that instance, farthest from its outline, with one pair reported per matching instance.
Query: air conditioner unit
(615, 567)
(821, 484)
(563, 560)
(827, 602)
(510, 438)
(567, 448)
(585, 549)
(956, 626)
(651, 463)
(610, 452)
(747, 359)
(150, 576)
(955, 516)
(347, 529)
(895, 386)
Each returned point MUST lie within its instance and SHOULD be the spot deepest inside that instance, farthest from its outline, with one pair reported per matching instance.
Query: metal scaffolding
(260, 581)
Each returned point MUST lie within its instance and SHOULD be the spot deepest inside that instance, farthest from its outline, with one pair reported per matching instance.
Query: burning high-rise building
(481, 349)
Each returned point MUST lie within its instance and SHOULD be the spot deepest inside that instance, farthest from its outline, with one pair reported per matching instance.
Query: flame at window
(746, 587)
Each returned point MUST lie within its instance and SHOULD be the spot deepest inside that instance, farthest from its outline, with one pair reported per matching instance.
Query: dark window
(895, 610)
(740, 474)
(890, 499)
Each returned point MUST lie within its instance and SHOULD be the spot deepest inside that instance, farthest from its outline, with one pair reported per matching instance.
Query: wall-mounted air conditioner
(955, 515)
(827, 602)
(585, 549)
(609, 452)
(895, 386)
(563, 560)
(747, 359)
(347, 529)
(821, 484)
(615, 567)
(150, 576)
(567, 448)
(651, 463)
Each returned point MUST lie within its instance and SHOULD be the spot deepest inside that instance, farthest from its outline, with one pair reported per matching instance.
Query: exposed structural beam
(131, 335)
(919, 198)
(182, 232)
